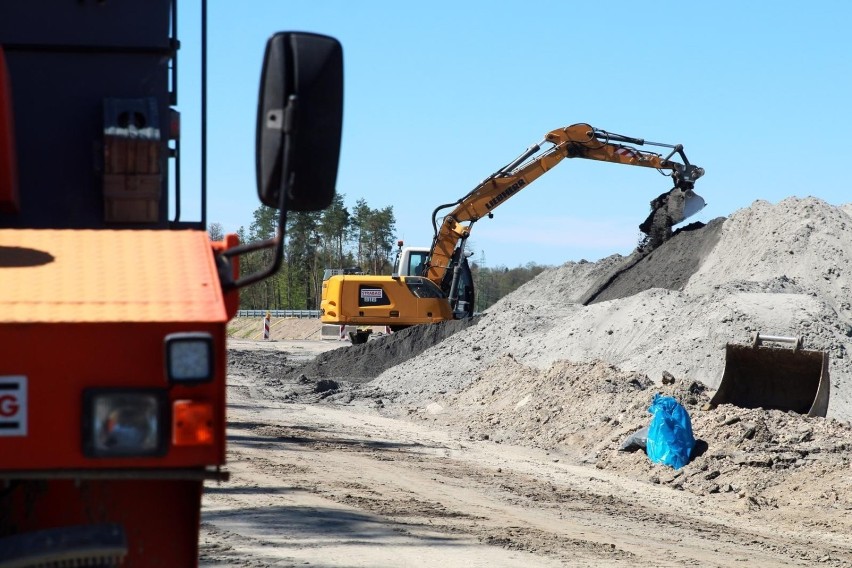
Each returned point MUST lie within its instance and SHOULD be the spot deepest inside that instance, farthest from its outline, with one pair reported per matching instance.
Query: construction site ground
(496, 442)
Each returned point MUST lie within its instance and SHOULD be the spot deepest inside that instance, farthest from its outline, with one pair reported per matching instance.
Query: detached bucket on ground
(780, 378)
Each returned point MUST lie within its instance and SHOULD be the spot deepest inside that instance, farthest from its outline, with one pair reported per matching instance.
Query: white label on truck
(371, 294)
(13, 405)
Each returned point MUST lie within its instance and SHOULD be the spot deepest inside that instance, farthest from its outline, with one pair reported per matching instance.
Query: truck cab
(113, 313)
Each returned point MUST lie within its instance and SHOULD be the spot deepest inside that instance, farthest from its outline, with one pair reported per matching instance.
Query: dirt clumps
(582, 412)
(781, 269)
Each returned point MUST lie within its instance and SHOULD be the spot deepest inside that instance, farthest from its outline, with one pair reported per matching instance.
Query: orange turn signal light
(192, 423)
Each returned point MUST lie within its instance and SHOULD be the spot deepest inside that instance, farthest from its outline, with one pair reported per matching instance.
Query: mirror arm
(269, 270)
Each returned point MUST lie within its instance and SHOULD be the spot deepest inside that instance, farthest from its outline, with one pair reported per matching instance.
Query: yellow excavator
(444, 288)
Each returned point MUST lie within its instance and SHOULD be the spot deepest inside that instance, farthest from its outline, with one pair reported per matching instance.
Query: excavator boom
(575, 141)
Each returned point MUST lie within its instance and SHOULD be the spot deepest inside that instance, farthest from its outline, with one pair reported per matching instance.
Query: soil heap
(783, 269)
(571, 361)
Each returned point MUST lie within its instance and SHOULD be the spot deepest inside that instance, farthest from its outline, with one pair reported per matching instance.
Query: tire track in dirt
(421, 486)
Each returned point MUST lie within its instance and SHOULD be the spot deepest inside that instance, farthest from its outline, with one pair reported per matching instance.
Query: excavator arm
(444, 289)
(575, 141)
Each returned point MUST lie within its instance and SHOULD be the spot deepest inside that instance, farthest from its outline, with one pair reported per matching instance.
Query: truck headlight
(124, 422)
(189, 357)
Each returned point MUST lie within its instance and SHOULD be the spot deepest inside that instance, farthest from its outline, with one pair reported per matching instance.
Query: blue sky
(440, 94)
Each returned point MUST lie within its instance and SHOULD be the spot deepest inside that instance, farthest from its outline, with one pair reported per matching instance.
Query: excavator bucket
(678, 205)
(669, 209)
(759, 376)
(692, 204)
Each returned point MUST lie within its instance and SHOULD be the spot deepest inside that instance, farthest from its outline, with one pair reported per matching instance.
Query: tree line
(339, 238)
(492, 283)
(314, 241)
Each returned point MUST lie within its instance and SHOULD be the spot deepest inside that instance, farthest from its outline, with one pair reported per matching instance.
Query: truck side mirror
(299, 121)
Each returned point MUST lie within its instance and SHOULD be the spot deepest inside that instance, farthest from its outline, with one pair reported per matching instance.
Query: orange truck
(113, 312)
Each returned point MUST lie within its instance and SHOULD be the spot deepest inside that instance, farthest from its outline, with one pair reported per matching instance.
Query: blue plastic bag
(670, 440)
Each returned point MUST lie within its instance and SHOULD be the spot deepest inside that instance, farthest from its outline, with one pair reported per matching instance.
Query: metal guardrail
(279, 313)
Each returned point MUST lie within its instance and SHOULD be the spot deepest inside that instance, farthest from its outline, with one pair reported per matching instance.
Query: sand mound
(782, 269)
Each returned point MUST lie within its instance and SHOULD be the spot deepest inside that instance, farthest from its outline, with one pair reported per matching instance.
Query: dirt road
(341, 485)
